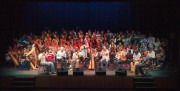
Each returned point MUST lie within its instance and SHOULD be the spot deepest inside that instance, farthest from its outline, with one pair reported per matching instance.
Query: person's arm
(65, 54)
(30, 52)
(153, 54)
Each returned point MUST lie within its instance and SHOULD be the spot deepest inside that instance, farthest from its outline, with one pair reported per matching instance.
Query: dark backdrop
(159, 17)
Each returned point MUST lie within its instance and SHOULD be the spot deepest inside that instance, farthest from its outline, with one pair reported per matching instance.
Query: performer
(76, 58)
(84, 50)
(118, 59)
(49, 56)
(160, 57)
(61, 56)
(136, 60)
(144, 63)
(105, 57)
(43, 61)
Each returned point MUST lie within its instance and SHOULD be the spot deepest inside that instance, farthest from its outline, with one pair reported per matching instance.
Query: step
(23, 83)
(143, 79)
(24, 79)
(23, 86)
(139, 87)
(144, 82)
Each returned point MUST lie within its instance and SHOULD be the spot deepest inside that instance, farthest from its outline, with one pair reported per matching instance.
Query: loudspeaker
(121, 72)
(78, 71)
(100, 71)
(62, 71)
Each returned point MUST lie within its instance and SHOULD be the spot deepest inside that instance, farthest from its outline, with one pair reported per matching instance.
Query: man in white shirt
(61, 56)
(105, 57)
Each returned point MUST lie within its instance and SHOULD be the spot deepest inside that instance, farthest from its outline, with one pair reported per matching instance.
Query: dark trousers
(62, 62)
(139, 68)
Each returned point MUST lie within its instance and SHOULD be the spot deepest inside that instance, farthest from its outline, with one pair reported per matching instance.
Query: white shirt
(75, 56)
(136, 56)
(60, 54)
(83, 49)
(42, 58)
(105, 54)
(151, 55)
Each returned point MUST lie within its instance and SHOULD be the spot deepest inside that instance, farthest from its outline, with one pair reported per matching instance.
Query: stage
(6, 71)
(15, 78)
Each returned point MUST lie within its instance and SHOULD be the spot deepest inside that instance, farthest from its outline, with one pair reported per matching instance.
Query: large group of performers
(88, 50)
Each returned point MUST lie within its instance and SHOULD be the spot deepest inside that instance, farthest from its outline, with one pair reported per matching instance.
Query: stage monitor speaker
(78, 71)
(121, 72)
(62, 71)
(100, 71)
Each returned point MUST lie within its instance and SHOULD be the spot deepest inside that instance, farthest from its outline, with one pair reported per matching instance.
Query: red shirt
(49, 56)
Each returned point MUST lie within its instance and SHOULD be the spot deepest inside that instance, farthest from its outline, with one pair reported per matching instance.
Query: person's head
(136, 51)
(150, 50)
(145, 52)
(76, 49)
(104, 48)
(160, 48)
(62, 49)
(42, 51)
(49, 50)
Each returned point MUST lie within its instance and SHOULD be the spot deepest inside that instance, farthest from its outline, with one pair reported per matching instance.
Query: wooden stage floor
(7, 71)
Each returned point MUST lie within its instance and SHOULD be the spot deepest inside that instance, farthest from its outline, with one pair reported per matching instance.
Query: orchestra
(75, 47)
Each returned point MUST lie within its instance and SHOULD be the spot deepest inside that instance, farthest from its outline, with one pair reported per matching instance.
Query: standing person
(105, 57)
(43, 62)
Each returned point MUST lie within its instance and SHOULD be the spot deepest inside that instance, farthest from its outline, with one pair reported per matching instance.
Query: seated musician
(76, 57)
(84, 52)
(151, 54)
(49, 55)
(120, 57)
(160, 57)
(105, 57)
(144, 63)
(136, 60)
(43, 62)
(61, 56)
(25, 63)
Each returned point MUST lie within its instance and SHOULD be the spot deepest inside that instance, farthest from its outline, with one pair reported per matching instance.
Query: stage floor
(7, 71)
